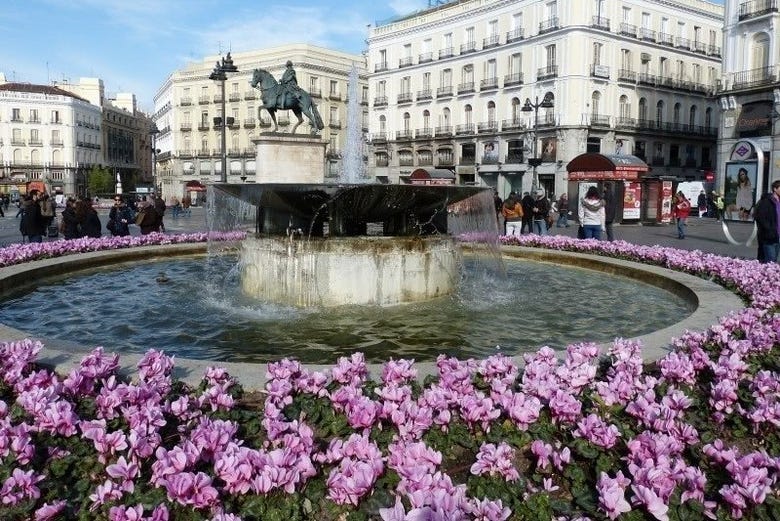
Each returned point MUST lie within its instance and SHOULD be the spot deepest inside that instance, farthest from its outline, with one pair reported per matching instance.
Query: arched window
(708, 117)
(676, 114)
(692, 117)
(595, 100)
(549, 112)
(407, 122)
(446, 118)
(624, 109)
(382, 124)
(35, 157)
(491, 112)
(468, 117)
(426, 119)
(759, 52)
(659, 113)
(642, 109)
(516, 110)
(204, 144)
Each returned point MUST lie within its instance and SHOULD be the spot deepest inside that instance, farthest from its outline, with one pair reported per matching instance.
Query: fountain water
(353, 166)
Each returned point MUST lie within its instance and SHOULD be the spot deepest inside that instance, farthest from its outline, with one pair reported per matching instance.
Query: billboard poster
(549, 149)
(632, 197)
(490, 153)
(739, 190)
(666, 202)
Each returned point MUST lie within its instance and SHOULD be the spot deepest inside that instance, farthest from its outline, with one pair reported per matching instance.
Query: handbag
(139, 217)
(580, 232)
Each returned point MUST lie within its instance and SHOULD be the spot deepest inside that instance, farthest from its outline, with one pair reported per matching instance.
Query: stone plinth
(289, 158)
(376, 271)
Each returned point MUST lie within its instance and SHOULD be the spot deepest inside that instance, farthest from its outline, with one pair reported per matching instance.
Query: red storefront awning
(601, 167)
(194, 186)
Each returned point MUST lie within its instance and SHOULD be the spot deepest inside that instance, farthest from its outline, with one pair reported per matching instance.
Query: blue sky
(133, 45)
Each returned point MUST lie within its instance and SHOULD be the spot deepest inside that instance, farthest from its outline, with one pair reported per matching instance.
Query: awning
(600, 167)
(755, 116)
(432, 176)
(194, 186)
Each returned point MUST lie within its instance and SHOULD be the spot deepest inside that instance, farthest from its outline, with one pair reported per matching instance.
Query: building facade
(448, 87)
(749, 95)
(186, 105)
(48, 135)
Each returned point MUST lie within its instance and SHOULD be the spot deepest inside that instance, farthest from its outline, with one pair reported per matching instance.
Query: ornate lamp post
(220, 74)
(535, 161)
(153, 130)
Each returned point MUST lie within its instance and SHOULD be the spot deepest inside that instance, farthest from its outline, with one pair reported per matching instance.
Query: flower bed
(595, 436)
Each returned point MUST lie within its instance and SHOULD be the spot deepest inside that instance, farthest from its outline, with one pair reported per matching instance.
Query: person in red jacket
(682, 209)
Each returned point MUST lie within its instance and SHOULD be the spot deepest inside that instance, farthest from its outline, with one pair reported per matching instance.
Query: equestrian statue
(286, 95)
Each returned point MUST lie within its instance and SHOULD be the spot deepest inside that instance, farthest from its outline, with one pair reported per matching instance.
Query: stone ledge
(712, 302)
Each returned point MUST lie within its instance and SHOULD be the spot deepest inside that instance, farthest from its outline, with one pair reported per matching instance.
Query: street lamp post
(219, 74)
(535, 161)
(153, 130)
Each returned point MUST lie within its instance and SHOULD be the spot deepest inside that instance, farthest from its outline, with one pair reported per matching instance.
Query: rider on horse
(289, 83)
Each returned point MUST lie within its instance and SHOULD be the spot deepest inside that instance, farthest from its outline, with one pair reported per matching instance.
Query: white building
(447, 88)
(48, 135)
(749, 93)
(187, 103)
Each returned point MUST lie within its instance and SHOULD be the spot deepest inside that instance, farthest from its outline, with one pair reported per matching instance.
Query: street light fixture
(153, 130)
(535, 161)
(219, 74)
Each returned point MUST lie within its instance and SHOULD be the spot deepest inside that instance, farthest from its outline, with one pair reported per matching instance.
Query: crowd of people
(38, 213)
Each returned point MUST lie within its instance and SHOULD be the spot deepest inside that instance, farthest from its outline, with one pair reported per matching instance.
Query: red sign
(632, 197)
(605, 175)
(666, 202)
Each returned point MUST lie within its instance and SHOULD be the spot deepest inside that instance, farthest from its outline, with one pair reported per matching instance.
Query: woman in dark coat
(70, 222)
(88, 219)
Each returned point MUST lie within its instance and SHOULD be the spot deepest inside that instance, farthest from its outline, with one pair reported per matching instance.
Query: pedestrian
(69, 224)
(89, 222)
(682, 209)
(159, 207)
(33, 224)
(609, 211)
(119, 218)
(540, 212)
(701, 203)
(186, 202)
(592, 214)
(527, 203)
(176, 205)
(767, 218)
(720, 205)
(563, 211)
(147, 218)
(512, 211)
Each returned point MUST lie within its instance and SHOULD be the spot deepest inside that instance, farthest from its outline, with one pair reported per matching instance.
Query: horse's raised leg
(297, 113)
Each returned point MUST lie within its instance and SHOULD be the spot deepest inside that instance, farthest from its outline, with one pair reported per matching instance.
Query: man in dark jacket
(527, 202)
(609, 210)
(33, 224)
(767, 216)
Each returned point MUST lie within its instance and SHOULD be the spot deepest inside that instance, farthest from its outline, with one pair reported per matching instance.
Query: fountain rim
(712, 302)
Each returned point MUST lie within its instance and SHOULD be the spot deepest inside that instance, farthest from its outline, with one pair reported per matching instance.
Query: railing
(754, 78)
(382, 162)
(513, 79)
(35, 142)
(465, 88)
(444, 91)
(625, 123)
(185, 127)
(405, 62)
(217, 98)
(234, 96)
(683, 43)
(468, 47)
(546, 120)
(381, 66)
(626, 75)
(487, 126)
(646, 78)
(334, 124)
(379, 137)
(443, 131)
(713, 50)
(599, 120)
(55, 122)
(627, 29)
(491, 41)
(447, 52)
(546, 26)
(464, 129)
(315, 92)
(756, 8)
(424, 94)
(405, 97)
(250, 94)
(203, 126)
(204, 100)
(646, 34)
(488, 83)
(185, 102)
(403, 134)
(425, 57)
(700, 47)
(545, 73)
(599, 22)
(249, 123)
(380, 101)
(515, 34)
(512, 124)
(426, 132)
(665, 39)
(56, 143)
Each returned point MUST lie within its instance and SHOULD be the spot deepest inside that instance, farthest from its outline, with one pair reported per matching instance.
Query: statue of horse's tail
(317, 118)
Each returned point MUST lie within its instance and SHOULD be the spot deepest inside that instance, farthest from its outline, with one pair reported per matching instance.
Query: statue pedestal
(289, 158)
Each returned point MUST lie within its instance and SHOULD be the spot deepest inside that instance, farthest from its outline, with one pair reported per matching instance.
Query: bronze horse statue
(299, 102)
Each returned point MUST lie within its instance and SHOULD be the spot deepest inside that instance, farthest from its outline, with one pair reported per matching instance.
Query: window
(646, 21)
(382, 124)
(16, 115)
(595, 99)
(468, 117)
(692, 117)
(626, 15)
(696, 34)
(407, 50)
(713, 37)
(516, 110)
(469, 35)
(34, 116)
(680, 70)
(642, 109)
(552, 10)
(659, 113)
(681, 29)
(426, 119)
(426, 81)
(334, 115)
(467, 74)
(491, 112)
(490, 69)
(446, 118)
(517, 21)
(550, 52)
(380, 89)
(624, 109)
(447, 43)
(676, 114)
(406, 85)
(697, 73)
(314, 85)
(407, 122)
(204, 119)
(204, 143)
(55, 116)
(516, 63)
(662, 66)
(234, 88)
(186, 117)
(334, 88)
(665, 25)
(625, 59)
(34, 136)
(708, 117)
(55, 137)
(383, 58)
(446, 78)
(365, 94)
(593, 145)
(514, 153)
(597, 49)
(493, 28)
(759, 52)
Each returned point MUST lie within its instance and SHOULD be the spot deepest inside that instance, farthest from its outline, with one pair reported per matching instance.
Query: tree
(101, 181)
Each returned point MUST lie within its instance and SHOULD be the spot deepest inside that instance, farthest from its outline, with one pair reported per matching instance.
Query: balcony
(405, 161)
(314, 92)
(626, 75)
(204, 152)
(627, 29)
(283, 121)
(443, 131)
(468, 47)
(423, 133)
(491, 41)
(488, 84)
(250, 95)
(464, 130)
(513, 79)
(334, 124)
(646, 79)
(425, 94)
(204, 100)
(515, 35)
(425, 160)
(35, 142)
(756, 8)
(487, 127)
(405, 62)
(647, 35)
(754, 78)
(382, 162)
(234, 152)
(405, 97)
(54, 143)
(203, 126)
(185, 102)
(700, 47)
(466, 88)
(599, 22)
(599, 120)
(448, 52)
(264, 122)
(403, 135)
(624, 123)
(666, 39)
(546, 73)
(713, 50)
(682, 43)
(512, 124)
(249, 123)
(55, 122)
(443, 92)
(217, 98)
(186, 152)
(234, 96)
(425, 57)
(185, 127)
(380, 101)
(599, 71)
(549, 25)
(380, 67)
(546, 121)
(379, 137)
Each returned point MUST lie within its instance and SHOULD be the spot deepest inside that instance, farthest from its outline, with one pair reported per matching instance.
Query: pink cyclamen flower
(612, 494)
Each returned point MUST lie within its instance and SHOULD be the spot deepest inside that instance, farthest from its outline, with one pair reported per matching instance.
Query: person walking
(119, 218)
(69, 225)
(591, 214)
(682, 209)
(512, 211)
(147, 218)
(541, 210)
(767, 218)
(720, 205)
(159, 208)
(563, 211)
(88, 218)
(33, 224)
(609, 211)
(527, 203)
(701, 203)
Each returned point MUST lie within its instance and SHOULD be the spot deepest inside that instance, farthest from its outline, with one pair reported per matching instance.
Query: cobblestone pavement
(703, 234)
